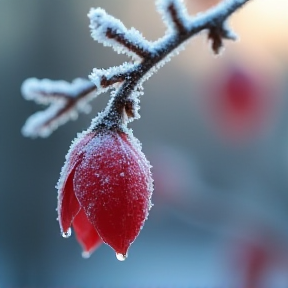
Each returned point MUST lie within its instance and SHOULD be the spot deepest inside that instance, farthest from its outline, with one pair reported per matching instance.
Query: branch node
(217, 33)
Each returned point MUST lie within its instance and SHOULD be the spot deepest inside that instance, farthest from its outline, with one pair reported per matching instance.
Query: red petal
(68, 205)
(111, 186)
(138, 154)
(74, 154)
(85, 232)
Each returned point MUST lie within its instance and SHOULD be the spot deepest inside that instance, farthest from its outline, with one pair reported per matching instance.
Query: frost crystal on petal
(113, 185)
(68, 205)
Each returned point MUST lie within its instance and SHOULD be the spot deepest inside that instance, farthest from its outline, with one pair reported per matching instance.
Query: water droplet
(86, 254)
(67, 233)
(121, 257)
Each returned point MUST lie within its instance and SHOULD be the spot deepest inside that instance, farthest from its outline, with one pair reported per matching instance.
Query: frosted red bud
(105, 190)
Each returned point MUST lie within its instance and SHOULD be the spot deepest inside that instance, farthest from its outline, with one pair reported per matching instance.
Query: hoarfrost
(44, 91)
(221, 11)
(68, 99)
(109, 73)
(121, 257)
(43, 123)
(103, 25)
(65, 103)
(39, 124)
(180, 10)
(75, 149)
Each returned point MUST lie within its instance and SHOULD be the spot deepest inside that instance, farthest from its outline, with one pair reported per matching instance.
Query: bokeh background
(214, 128)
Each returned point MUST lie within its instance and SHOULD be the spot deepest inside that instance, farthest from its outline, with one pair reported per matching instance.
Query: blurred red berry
(105, 190)
(257, 259)
(241, 103)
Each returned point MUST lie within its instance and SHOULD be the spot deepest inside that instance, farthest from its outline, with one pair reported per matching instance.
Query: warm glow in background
(220, 162)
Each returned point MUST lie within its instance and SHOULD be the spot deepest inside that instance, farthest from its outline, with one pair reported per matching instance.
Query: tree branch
(147, 57)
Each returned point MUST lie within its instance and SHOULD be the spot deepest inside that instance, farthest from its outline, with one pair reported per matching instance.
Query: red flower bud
(105, 190)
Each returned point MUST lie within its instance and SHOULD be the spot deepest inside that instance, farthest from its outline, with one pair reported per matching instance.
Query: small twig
(122, 40)
(82, 93)
(127, 78)
(64, 105)
(176, 19)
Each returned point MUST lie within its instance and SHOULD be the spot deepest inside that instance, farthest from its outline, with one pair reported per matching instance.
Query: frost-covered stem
(65, 99)
(122, 40)
(213, 21)
(68, 99)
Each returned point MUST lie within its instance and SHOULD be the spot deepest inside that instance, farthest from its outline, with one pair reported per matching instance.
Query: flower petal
(85, 232)
(73, 156)
(68, 205)
(112, 187)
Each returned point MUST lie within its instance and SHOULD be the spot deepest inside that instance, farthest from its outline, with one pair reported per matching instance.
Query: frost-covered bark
(66, 100)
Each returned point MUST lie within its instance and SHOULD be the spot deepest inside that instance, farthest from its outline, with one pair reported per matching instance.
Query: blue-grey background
(212, 196)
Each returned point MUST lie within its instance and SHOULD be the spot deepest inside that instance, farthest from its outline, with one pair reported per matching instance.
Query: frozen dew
(121, 257)
(66, 234)
(86, 254)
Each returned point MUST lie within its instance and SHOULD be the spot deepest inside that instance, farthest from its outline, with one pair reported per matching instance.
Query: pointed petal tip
(85, 254)
(121, 254)
(86, 234)
(121, 257)
(67, 233)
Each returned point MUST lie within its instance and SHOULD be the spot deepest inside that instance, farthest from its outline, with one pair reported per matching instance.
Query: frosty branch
(68, 99)
(105, 186)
